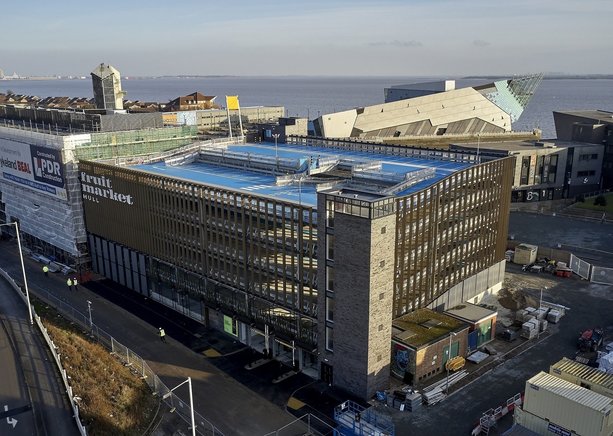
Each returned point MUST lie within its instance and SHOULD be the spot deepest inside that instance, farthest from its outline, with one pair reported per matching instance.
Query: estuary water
(312, 96)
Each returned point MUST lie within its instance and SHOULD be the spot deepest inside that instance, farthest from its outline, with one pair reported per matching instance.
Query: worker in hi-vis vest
(46, 270)
(162, 334)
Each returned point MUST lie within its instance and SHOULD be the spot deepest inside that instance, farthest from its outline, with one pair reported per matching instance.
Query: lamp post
(478, 144)
(23, 269)
(89, 310)
(538, 327)
(276, 136)
(451, 334)
(191, 400)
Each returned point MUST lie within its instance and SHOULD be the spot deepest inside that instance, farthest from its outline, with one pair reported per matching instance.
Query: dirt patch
(111, 398)
(520, 290)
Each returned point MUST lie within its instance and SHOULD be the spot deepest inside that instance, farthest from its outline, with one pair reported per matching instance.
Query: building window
(586, 173)
(380, 327)
(525, 170)
(383, 230)
(330, 247)
(330, 279)
(330, 214)
(381, 295)
(382, 264)
(329, 309)
(329, 341)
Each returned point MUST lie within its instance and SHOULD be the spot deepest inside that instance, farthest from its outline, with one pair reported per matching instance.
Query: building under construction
(308, 250)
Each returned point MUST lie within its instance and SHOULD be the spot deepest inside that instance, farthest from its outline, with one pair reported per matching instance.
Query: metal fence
(133, 360)
(601, 275)
(580, 267)
(307, 424)
(52, 348)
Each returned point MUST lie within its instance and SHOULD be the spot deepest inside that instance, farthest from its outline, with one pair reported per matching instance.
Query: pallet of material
(554, 316)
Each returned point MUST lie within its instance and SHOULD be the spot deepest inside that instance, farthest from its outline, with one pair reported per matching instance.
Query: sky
(313, 38)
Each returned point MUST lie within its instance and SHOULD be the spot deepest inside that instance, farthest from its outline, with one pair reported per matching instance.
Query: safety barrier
(53, 349)
(123, 353)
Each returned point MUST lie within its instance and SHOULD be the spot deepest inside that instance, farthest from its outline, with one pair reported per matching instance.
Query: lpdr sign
(47, 164)
(37, 168)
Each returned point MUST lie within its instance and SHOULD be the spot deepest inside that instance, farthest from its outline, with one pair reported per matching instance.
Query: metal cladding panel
(568, 405)
(120, 266)
(113, 262)
(135, 275)
(128, 268)
(105, 255)
(92, 250)
(143, 277)
(575, 372)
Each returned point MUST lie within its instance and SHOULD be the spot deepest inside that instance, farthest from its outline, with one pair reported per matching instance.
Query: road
(591, 305)
(232, 407)
(592, 241)
(30, 381)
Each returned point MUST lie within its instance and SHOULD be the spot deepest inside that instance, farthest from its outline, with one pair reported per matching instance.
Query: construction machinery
(590, 340)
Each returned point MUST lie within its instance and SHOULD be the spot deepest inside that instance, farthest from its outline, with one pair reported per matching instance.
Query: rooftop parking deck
(304, 160)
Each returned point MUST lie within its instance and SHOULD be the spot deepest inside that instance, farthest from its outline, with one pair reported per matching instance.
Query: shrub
(600, 201)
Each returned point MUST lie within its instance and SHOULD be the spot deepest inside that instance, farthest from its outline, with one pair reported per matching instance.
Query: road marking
(10, 420)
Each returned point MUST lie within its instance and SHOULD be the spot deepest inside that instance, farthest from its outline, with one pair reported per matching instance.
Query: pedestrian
(46, 270)
(162, 335)
(69, 283)
(74, 283)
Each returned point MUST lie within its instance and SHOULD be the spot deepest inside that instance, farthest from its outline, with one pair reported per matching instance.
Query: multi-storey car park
(306, 251)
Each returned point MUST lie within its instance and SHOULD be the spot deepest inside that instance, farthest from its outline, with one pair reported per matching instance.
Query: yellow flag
(232, 102)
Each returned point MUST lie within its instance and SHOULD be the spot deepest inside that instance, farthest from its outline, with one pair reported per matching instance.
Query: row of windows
(586, 173)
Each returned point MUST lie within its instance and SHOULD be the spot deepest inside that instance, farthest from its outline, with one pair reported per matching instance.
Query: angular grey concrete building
(437, 108)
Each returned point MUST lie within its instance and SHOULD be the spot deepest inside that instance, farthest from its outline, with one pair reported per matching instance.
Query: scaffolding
(143, 142)
(356, 420)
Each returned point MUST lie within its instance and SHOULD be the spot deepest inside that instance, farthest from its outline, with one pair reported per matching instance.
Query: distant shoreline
(215, 76)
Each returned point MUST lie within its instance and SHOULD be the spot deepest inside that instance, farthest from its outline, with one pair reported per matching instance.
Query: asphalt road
(590, 240)
(232, 407)
(14, 393)
(30, 381)
(591, 305)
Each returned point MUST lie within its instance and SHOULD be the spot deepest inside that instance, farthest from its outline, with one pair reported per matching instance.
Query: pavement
(589, 240)
(247, 402)
(236, 400)
(32, 391)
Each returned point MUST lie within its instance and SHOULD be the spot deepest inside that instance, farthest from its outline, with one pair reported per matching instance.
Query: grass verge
(112, 400)
(589, 204)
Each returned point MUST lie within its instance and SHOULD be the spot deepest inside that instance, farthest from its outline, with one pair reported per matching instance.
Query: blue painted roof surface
(264, 184)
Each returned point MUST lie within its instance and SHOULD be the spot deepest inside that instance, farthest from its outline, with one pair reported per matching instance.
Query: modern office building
(306, 251)
(108, 94)
(547, 169)
(434, 109)
(592, 127)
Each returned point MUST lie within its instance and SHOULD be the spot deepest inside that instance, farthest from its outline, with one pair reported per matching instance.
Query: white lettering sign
(96, 187)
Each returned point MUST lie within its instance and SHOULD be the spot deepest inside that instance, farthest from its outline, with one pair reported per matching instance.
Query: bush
(600, 201)
(580, 199)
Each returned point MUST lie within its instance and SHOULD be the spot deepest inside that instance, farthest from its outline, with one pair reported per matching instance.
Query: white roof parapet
(411, 179)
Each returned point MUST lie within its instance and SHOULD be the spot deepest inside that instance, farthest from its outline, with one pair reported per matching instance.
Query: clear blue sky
(317, 37)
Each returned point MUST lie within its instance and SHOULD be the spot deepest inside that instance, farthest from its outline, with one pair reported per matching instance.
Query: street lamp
(89, 309)
(538, 327)
(451, 334)
(191, 400)
(23, 269)
(276, 136)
